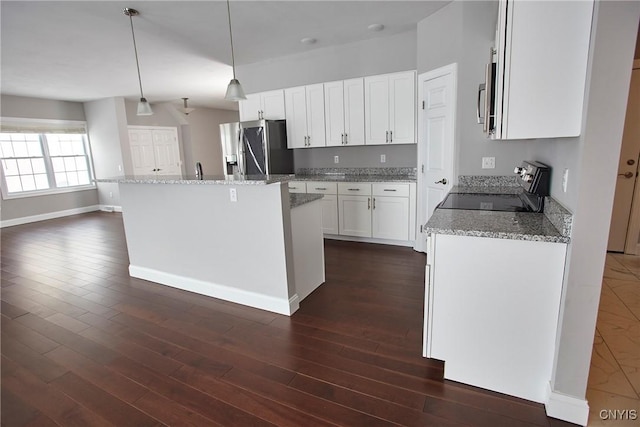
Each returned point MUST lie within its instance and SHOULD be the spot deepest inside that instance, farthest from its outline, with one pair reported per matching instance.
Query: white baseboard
(566, 408)
(252, 299)
(110, 208)
(46, 216)
(407, 243)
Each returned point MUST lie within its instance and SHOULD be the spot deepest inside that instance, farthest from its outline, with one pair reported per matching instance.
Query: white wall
(201, 138)
(591, 190)
(463, 32)
(363, 58)
(36, 108)
(107, 125)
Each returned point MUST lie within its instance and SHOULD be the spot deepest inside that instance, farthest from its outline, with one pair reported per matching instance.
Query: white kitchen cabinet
(155, 150)
(264, 105)
(297, 187)
(489, 316)
(354, 213)
(304, 106)
(390, 213)
(390, 108)
(541, 57)
(344, 112)
(329, 204)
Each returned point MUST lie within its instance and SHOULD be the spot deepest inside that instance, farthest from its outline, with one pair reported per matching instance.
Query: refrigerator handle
(241, 159)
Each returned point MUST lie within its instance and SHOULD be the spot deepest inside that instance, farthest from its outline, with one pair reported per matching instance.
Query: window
(41, 163)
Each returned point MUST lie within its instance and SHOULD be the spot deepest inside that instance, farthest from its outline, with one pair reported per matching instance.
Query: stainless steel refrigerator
(255, 148)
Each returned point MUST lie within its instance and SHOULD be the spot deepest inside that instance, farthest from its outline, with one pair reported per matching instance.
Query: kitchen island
(493, 294)
(244, 240)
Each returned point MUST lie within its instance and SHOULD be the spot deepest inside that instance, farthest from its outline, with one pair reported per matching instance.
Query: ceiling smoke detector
(308, 40)
(375, 27)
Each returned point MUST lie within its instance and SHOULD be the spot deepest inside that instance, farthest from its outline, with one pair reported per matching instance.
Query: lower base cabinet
(354, 213)
(390, 218)
(492, 327)
(368, 210)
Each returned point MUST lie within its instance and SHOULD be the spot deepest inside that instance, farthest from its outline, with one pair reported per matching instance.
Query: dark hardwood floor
(84, 344)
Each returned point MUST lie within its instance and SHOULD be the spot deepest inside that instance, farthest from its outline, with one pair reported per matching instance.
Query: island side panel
(495, 305)
(194, 237)
(308, 247)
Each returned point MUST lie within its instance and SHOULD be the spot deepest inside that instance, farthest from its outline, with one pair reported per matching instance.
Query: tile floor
(614, 378)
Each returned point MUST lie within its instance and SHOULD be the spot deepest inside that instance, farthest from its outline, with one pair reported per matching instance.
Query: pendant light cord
(233, 60)
(135, 50)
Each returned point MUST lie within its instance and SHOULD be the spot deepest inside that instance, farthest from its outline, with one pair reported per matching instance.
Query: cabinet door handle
(390, 136)
(321, 188)
(374, 203)
(342, 138)
(386, 139)
(481, 88)
(353, 189)
(346, 140)
(369, 203)
(388, 189)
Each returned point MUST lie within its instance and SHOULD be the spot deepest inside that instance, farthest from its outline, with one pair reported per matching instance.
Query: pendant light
(144, 108)
(234, 90)
(185, 109)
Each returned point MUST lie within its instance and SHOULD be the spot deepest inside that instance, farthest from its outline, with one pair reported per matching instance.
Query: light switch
(233, 194)
(336, 159)
(383, 158)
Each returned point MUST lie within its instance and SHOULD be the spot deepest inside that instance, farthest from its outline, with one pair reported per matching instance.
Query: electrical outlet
(233, 194)
(383, 158)
(565, 179)
(488, 163)
(110, 194)
(336, 159)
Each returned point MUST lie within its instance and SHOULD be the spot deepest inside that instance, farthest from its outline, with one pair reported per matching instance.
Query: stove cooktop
(485, 202)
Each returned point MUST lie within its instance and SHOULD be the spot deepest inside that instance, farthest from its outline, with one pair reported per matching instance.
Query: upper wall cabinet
(390, 108)
(537, 83)
(344, 112)
(304, 106)
(263, 105)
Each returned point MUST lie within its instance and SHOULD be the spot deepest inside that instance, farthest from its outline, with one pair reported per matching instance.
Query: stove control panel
(534, 177)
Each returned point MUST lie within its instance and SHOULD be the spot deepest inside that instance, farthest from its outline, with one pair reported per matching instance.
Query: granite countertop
(499, 225)
(554, 225)
(206, 180)
(355, 178)
(299, 199)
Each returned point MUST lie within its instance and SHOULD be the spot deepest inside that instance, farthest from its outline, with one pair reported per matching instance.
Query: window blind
(17, 125)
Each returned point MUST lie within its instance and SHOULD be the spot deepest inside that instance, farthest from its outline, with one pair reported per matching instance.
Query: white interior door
(167, 151)
(142, 156)
(627, 174)
(437, 96)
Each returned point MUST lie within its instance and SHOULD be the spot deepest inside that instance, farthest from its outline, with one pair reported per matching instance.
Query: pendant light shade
(144, 108)
(185, 108)
(234, 90)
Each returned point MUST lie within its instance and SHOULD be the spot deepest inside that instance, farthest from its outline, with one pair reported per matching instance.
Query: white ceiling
(82, 50)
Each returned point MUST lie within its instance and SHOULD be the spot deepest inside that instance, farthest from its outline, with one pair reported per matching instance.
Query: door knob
(442, 181)
(631, 162)
(626, 175)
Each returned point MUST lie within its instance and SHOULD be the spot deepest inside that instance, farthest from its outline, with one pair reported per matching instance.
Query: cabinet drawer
(354, 188)
(322, 187)
(391, 190)
(297, 187)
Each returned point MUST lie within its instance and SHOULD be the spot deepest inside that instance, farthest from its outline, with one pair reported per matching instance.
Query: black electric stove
(533, 180)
